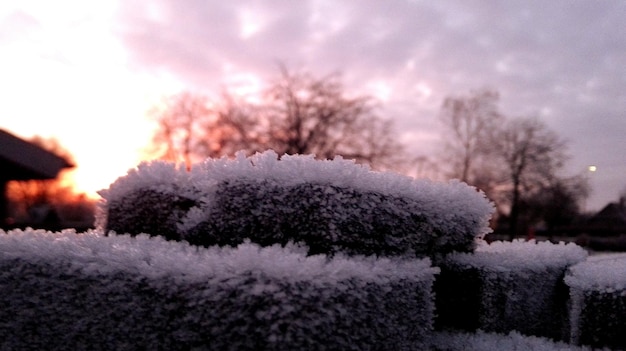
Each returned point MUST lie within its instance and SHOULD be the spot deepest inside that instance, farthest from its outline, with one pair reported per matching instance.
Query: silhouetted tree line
(517, 162)
(295, 114)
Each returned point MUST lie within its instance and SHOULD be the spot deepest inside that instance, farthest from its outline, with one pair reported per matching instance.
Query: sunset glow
(67, 78)
(86, 73)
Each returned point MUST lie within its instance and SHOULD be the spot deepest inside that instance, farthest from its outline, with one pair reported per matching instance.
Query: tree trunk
(514, 215)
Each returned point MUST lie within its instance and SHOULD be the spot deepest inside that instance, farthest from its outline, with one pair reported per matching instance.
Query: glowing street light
(587, 175)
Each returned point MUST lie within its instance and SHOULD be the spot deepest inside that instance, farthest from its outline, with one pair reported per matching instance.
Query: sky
(86, 72)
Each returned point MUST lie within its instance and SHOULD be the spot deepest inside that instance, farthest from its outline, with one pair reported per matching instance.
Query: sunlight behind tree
(295, 114)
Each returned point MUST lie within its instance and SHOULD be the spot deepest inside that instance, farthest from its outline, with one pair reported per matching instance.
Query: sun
(65, 77)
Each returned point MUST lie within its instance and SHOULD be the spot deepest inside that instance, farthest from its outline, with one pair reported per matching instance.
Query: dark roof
(612, 214)
(21, 160)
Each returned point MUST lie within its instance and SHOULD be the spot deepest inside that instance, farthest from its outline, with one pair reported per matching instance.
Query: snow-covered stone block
(482, 341)
(90, 291)
(506, 286)
(598, 301)
(332, 206)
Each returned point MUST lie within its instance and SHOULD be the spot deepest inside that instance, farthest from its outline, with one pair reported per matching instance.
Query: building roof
(22, 160)
(612, 215)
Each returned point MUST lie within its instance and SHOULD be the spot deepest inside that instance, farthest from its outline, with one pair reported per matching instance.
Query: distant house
(22, 160)
(606, 230)
(611, 220)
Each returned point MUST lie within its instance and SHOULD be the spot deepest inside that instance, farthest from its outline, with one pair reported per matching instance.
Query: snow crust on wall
(598, 301)
(506, 286)
(521, 254)
(153, 257)
(294, 194)
(68, 290)
(482, 341)
(600, 273)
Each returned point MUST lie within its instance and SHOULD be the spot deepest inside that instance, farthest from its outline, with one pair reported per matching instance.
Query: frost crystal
(331, 205)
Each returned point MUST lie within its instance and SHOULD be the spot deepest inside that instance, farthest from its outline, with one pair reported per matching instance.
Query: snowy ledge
(505, 286)
(520, 255)
(337, 204)
(154, 257)
(482, 341)
(121, 292)
(600, 273)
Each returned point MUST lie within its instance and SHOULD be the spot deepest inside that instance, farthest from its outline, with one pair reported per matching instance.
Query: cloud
(561, 60)
(16, 26)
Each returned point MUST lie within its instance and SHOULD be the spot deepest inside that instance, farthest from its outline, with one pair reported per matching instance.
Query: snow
(503, 256)
(482, 341)
(153, 257)
(148, 174)
(442, 202)
(332, 205)
(599, 273)
(175, 295)
(598, 301)
(312, 254)
(67, 290)
(506, 286)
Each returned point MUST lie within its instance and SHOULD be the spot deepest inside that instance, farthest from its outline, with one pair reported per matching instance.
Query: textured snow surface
(481, 341)
(505, 286)
(599, 273)
(90, 291)
(598, 301)
(332, 205)
(521, 255)
(153, 257)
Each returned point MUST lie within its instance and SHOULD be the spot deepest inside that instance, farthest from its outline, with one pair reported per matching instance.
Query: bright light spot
(250, 23)
(380, 89)
(546, 111)
(592, 168)
(68, 79)
(502, 67)
(410, 65)
(327, 19)
(156, 12)
(242, 84)
(424, 90)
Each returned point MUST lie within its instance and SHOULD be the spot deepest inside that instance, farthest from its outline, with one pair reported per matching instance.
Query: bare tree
(311, 115)
(298, 114)
(531, 155)
(423, 166)
(469, 120)
(558, 203)
(182, 125)
(191, 127)
(516, 162)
